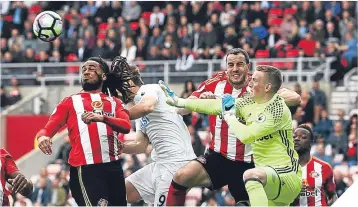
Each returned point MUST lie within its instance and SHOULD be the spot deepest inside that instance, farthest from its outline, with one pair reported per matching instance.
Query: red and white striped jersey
(91, 143)
(317, 181)
(7, 167)
(222, 141)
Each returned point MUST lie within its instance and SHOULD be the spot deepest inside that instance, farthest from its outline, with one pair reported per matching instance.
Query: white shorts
(153, 181)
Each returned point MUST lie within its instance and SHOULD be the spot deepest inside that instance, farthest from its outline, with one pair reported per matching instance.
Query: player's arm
(145, 106)
(330, 186)
(291, 97)
(138, 146)
(204, 106)
(263, 126)
(121, 122)
(13, 176)
(56, 121)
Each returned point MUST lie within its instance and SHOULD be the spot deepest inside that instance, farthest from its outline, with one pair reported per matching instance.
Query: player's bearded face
(301, 141)
(237, 69)
(91, 76)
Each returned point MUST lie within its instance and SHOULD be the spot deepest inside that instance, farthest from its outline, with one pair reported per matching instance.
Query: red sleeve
(57, 119)
(121, 123)
(10, 165)
(201, 89)
(329, 184)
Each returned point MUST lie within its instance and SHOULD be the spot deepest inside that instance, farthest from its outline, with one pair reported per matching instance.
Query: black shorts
(223, 171)
(98, 184)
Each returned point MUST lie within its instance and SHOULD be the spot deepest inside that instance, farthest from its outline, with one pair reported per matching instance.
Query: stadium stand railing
(304, 70)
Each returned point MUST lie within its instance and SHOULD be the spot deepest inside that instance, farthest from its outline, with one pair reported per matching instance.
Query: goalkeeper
(276, 178)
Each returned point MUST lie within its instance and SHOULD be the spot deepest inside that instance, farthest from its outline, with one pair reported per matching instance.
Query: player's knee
(180, 176)
(255, 174)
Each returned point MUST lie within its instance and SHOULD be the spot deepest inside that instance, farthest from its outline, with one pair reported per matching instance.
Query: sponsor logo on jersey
(307, 190)
(98, 109)
(267, 137)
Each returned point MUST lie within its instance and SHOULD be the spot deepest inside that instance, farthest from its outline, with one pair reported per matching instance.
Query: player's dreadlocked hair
(118, 78)
(103, 65)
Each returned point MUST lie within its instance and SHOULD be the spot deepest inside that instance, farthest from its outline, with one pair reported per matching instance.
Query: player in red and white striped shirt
(227, 158)
(318, 187)
(10, 173)
(93, 120)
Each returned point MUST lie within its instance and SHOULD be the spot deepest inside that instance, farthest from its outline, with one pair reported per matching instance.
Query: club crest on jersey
(314, 174)
(261, 118)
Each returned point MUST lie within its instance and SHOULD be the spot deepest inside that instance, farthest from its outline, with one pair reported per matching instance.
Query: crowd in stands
(11, 95)
(184, 31)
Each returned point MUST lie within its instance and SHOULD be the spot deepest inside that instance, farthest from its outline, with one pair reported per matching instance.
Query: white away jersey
(165, 128)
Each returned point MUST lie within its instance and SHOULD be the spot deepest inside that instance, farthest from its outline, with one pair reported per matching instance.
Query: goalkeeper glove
(228, 105)
(172, 98)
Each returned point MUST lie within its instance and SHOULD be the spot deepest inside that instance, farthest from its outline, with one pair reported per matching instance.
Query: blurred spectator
(43, 57)
(89, 39)
(197, 13)
(230, 38)
(206, 54)
(341, 119)
(3, 45)
(153, 53)
(324, 125)
(55, 57)
(14, 92)
(63, 175)
(102, 13)
(349, 48)
(335, 7)
(116, 9)
(42, 193)
(338, 139)
(307, 44)
(352, 125)
(167, 54)
(156, 39)
(129, 51)
(131, 11)
(156, 15)
(185, 62)
(259, 30)
(210, 36)
(7, 58)
(331, 32)
(141, 48)
(63, 153)
(197, 37)
(58, 194)
(19, 13)
(57, 45)
(4, 102)
(30, 41)
(224, 16)
(15, 38)
(189, 88)
(319, 31)
(16, 53)
(328, 17)
(99, 49)
(88, 9)
(83, 52)
(113, 49)
(343, 23)
(307, 105)
(185, 39)
(351, 156)
(85, 26)
(340, 184)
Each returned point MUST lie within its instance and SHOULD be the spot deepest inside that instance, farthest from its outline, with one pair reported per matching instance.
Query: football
(47, 26)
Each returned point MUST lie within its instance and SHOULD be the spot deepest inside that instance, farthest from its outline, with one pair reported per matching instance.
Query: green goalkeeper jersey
(268, 128)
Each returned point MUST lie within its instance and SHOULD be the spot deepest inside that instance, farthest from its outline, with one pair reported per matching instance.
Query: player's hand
(228, 104)
(89, 117)
(207, 95)
(172, 99)
(45, 145)
(19, 183)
